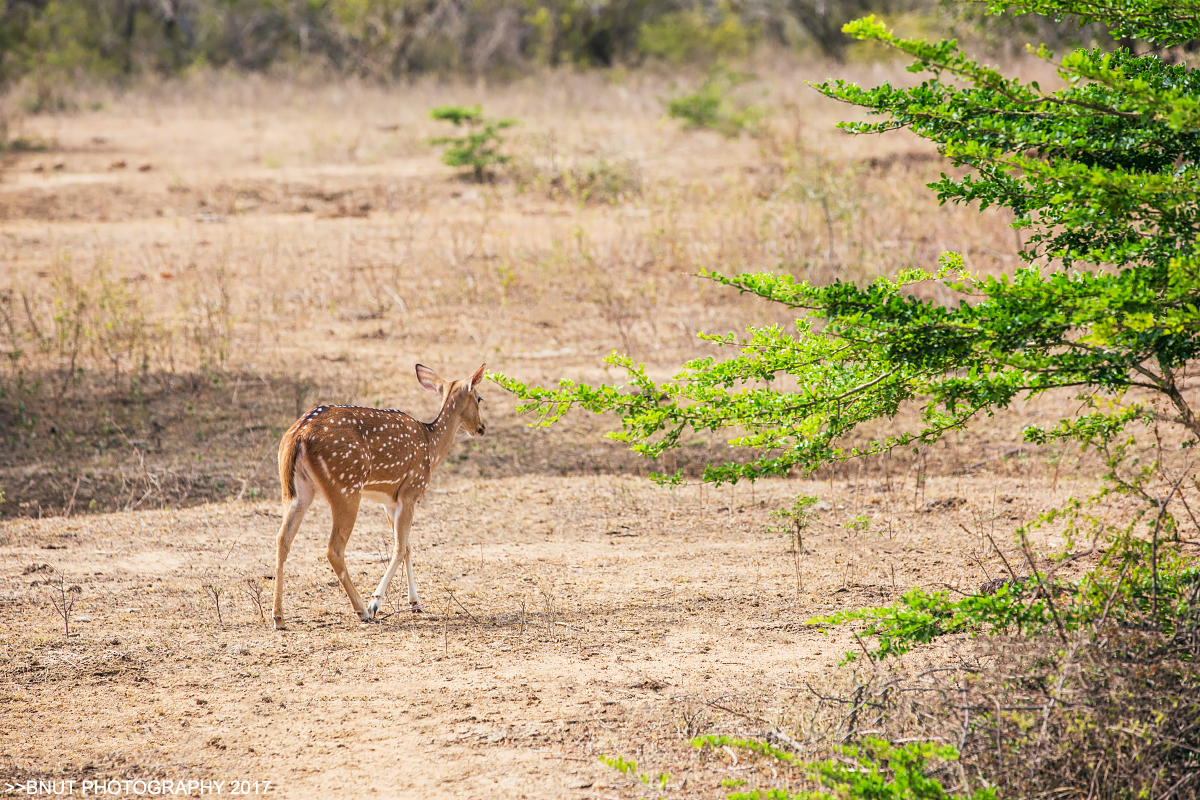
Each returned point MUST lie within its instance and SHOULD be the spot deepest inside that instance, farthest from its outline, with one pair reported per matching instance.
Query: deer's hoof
(415, 607)
(279, 626)
(372, 610)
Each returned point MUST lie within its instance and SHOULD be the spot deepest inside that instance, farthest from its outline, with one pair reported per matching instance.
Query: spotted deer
(347, 453)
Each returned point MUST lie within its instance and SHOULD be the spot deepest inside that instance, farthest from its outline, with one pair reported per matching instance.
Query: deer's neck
(441, 432)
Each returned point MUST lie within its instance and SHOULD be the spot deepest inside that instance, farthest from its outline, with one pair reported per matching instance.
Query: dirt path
(565, 618)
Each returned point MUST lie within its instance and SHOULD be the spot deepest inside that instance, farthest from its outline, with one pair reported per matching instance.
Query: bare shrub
(1113, 714)
(255, 593)
(62, 598)
(580, 178)
(215, 590)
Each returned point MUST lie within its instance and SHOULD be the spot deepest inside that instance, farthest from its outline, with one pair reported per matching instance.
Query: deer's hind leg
(396, 511)
(345, 512)
(293, 515)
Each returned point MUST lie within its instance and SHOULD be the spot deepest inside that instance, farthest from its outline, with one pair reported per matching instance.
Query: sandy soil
(565, 618)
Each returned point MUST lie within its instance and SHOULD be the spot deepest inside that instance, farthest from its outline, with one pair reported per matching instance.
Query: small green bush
(599, 181)
(480, 148)
(714, 105)
(627, 766)
(872, 769)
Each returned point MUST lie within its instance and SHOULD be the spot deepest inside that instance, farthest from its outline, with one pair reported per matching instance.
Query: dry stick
(460, 605)
(63, 604)
(253, 591)
(904, 480)
(1076, 556)
(549, 614)
(975, 557)
(1162, 510)
(999, 749)
(797, 546)
(237, 540)
(851, 719)
(1172, 742)
(996, 547)
(75, 491)
(1109, 601)
(446, 632)
(1095, 776)
(962, 744)
(1062, 678)
(1190, 514)
(956, 590)
(864, 648)
(716, 705)
(215, 592)
(1062, 632)
(888, 684)
(978, 464)
(829, 257)
(1179, 783)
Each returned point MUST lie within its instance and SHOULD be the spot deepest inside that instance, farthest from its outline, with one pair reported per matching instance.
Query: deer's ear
(428, 378)
(477, 377)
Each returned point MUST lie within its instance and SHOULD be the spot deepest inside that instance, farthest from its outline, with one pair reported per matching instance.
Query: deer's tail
(289, 451)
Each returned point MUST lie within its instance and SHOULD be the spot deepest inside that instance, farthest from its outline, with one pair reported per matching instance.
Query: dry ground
(565, 618)
(288, 245)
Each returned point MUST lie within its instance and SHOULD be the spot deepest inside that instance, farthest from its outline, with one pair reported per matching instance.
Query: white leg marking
(393, 565)
(413, 601)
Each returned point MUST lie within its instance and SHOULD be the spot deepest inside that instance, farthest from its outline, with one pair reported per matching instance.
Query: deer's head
(459, 398)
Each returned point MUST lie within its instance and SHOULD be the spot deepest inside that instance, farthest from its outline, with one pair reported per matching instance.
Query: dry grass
(286, 245)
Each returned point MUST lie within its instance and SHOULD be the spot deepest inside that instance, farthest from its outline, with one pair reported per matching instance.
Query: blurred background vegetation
(47, 43)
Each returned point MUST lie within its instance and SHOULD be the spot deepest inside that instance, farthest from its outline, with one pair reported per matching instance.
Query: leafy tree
(1101, 172)
(480, 148)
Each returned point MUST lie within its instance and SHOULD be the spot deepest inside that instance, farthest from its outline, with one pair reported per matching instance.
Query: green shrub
(627, 766)
(598, 181)
(715, 105)
(479, 149)
(1040, 710)
(873, 769)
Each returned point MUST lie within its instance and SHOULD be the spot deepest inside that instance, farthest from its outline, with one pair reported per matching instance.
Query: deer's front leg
(404, 545)
(414, 602)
